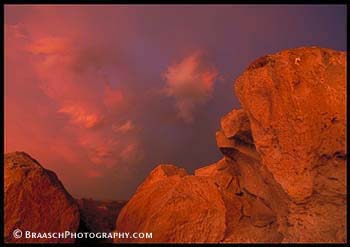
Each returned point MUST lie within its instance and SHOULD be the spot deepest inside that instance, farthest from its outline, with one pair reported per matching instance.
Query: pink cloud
(191, 83)
(49, 45)
(113, 98)
(124, 128)
(131, 153)
(93, 174)
(70, 75)
(81, 116)
(15, 30)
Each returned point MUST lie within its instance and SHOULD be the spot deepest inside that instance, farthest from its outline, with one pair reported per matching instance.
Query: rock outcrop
(282, 177)
(295, 102)
(35, 200)
(175, 207)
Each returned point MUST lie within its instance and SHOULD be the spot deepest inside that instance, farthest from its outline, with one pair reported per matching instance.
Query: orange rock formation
(36, 201)
(282, 177)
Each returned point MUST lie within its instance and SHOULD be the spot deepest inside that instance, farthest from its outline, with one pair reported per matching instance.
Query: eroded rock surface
(175, 208)
(295, 102)
(35, 200)
(282, 177)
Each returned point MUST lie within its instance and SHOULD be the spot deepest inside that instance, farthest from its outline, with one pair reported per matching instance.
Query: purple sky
(103, 94)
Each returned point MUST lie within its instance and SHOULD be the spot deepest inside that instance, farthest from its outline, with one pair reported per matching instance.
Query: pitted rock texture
(35, 200)
(282, 177)
(295, 102)
(175, 207)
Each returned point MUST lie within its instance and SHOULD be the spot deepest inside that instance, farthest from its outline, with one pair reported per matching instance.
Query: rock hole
(239, 193)
(260, 62)
(340, 155)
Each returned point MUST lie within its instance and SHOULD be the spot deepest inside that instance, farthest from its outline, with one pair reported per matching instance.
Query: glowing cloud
(124, 128)
(80, 116)
(131, 153)
(49, 45)
(191, 83)
(113, 98)
(71, 76)
(93, 174)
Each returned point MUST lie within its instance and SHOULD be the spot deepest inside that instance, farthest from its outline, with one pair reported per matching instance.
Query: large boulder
(295, 102)
(36, 201)
(282, 178)
(210, 206)
(174, 207)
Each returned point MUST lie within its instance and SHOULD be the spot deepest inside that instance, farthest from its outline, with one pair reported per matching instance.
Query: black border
(193, 2)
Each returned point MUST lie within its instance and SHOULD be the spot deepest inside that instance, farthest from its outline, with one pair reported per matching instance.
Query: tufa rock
(174, 207)
(235, 123)
(282, 178)
(296, 112)
(36, 201)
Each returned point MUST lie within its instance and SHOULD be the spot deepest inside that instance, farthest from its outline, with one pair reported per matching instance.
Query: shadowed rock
(99, 216)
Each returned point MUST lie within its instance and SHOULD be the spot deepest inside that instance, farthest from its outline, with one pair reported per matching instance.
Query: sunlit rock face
(282, 177)
(295, 102)
(36, 201)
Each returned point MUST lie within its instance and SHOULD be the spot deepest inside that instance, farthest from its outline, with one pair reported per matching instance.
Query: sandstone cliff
(35, 200)
(282, 177)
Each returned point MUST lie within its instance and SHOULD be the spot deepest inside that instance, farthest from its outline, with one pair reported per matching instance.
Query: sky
(103, 94)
